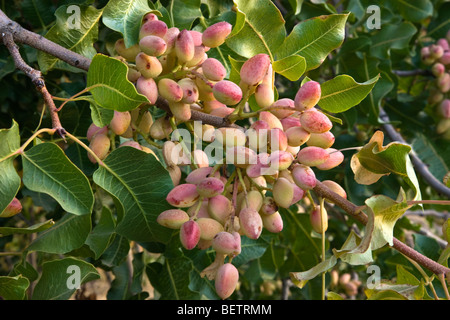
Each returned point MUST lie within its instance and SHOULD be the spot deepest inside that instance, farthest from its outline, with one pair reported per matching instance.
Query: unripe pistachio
(269, 206)
(240, 156)
(13, 208)
(120, 122)
(283, 108)
(189, 234)
(230, 137)
(145, 123)
(271, 120)
(209, 228)
(171, 154)
(93, 130)
(443, 126)
(170, 90)
(253, 200)
(160, 129)
(100, 144)
(172, 218)
(335, 187)
(319, 219)
(315, 121)
(213, 69)
(227, 92)
(183, 195)
(167, 62)
(435, 96)
(227, 243)
(180, 110)
(273, 222)
(153, 45)
(254, 69)
(184, 46)
(210, 187)
(283, 192)
(148, 66)
(264, 95)
(336, 158)
(226, 280)
(444, 108)
(129, 133)
(133, 74)
(308, 95)
(257, 138)
(215, 35)
(436, 51)
(148, 88)
(322, 140)
(128, 54)
(312, 156)
(443, 83)
(304, 177)
(153, 28)
(220, 208)
(438, 69)
(297, 136)
(174, 172)
(170, 38)
(250, 222)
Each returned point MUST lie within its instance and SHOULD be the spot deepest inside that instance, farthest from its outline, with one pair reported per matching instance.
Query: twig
(355, 212)
(421, 167)
(36, 78)
(409, 73)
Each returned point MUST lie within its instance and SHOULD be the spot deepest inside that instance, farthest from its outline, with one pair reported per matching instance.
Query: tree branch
(353, 210)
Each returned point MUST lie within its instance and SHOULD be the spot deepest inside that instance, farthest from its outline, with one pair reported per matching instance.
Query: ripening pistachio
(93, 130)
(290, 122)
(335, 187)
(184, 46)
(319, 219)
(210, 105)
(168, 62)
(281, 160)
(269, 206)
(153, 45)
(297, 136)
(190, 90)
(160, 129)
(444, 44)
(445, 59)
(149, 17)
(227, 243)
(153, 28)
(209, 228)
(254, 69)
(257, 136)
(283, 192)
(131, 143)
(197, 37)
(183, 195)
(198, 175)
(435, 96)
(253, 200)
(222, 112)
(277, 139)
(443, 126)
(335, 159)
(312, 156)
(170, 90)
(172, 218)
(180, 110)
(444, 108)
(271, 120)
(100, 144)
(13, 208)
(128, 54)
(133, 74)
(322, 140)
(264, 95)
(315, 121)
(443, 83)
(174, 172)
(283, 108)
(145, 122)
(120, 122)
(273, 222)
(230, 137)
(304, 177)
(299, 194)
(197, 212)
(189, 234)
(213, 69)
(226, 280)
(200, 158)
(148, 66)
(436, 51)
(171, 154)
(220, 208)
(170, 38)
(250, 223)
(438, 69)
(227, 92)
(308, 95)
(240, 156)
(215, 35)
(198, 58)
(210, 187)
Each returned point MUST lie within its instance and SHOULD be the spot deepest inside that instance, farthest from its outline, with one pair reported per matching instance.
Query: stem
(183, 145)
(444, 286)
(321, 201)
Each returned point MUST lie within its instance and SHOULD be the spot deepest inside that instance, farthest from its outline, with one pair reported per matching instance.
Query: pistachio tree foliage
(225, 149)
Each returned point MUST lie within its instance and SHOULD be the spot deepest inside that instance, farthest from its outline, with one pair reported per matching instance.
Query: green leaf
(125, 16)
(334, 296)
(391, 36)
(343, 92)
(57, 279)
(292, 67)
(112, 89)
(182, 13)
(38, 12)
(101, 235)
(415, 10)
(47, 169)
(439, 26)
(38, 227)
(250, 250)
(77, 38)
(100, 116)
(116, 253)
(314, 39)
(259, 28)
(13, 288)
(68, 234)
(10, 142)
(140, 183)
